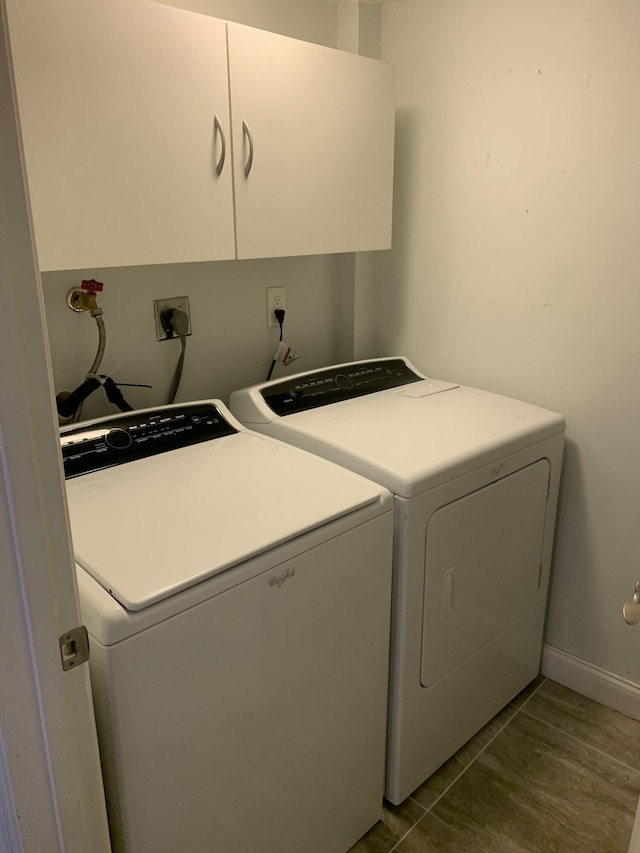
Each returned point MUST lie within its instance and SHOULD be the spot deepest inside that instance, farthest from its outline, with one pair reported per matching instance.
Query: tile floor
(553, 772)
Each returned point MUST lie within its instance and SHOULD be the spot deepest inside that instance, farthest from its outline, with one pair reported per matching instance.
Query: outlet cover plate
(160, 305)
(276, 298)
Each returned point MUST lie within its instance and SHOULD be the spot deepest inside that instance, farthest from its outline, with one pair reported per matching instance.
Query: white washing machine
(237, 592)
(475, 483)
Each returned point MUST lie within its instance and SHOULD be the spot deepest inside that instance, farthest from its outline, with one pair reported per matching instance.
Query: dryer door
(482, 567)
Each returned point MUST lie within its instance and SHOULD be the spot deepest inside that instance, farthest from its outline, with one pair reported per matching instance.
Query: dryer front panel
(482, 567)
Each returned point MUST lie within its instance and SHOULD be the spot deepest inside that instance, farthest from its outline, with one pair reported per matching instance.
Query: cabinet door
(322, 124)
(117, 105)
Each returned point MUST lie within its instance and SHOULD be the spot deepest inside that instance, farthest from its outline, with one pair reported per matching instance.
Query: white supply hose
(96, 313)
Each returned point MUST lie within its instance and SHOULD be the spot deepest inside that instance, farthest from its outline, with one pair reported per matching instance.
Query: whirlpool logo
(278, 580)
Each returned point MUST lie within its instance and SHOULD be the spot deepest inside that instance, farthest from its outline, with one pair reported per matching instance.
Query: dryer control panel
(125, 438)
(334, 384)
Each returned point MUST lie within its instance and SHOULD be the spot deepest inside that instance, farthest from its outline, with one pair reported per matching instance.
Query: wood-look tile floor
(554, 772)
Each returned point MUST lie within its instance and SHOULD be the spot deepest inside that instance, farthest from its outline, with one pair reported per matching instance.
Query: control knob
(343, 381)
(118, 439)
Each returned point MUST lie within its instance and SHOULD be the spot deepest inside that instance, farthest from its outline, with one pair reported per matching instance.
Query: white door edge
(51, 793)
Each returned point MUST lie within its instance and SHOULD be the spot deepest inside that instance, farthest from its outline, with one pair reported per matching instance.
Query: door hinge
(74, 647)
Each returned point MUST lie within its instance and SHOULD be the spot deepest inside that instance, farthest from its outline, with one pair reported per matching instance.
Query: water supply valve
(84, 298)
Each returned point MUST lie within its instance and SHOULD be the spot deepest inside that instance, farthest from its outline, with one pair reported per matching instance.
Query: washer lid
(150, 528)
(413, 438)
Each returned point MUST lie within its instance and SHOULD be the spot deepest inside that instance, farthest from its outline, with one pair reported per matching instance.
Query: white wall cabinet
(126, 120)
(117, 106)
(322, 124)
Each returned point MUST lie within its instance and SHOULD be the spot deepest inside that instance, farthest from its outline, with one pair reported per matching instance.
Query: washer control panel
(332, 385)
(135, 435)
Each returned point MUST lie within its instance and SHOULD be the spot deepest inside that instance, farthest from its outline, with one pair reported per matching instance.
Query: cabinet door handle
(247, 132)
(217, 124)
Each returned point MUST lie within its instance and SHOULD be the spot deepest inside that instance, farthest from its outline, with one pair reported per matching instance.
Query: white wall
(310, 20)
(516, 257)
(230, 345)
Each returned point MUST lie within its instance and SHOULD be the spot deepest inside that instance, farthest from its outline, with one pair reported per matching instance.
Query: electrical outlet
(160, 305)
(276, 298)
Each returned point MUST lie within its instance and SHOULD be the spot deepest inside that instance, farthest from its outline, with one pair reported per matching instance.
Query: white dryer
(475, 482)
(237, 593)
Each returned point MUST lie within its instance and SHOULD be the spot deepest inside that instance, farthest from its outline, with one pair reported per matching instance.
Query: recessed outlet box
(276, 298)
(160, 305)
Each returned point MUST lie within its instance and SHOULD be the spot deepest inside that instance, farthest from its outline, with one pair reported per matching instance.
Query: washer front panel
(245, 721)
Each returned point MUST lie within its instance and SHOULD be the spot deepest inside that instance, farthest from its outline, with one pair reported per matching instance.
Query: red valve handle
(92, 286)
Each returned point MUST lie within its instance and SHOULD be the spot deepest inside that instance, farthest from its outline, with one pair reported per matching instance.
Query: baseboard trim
(599, 684)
